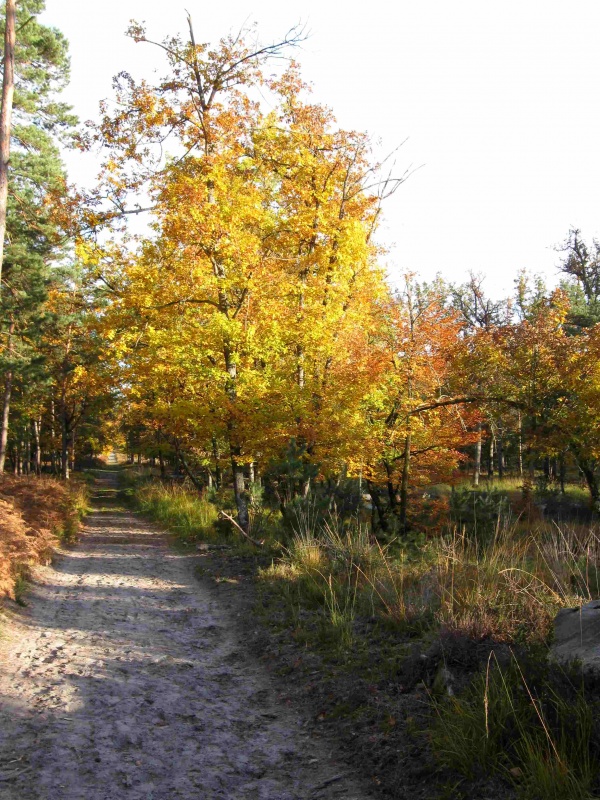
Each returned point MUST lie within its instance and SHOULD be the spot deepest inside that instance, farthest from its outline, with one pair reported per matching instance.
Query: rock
(577, 636)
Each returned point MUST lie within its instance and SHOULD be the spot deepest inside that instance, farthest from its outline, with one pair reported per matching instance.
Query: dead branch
(224, 515)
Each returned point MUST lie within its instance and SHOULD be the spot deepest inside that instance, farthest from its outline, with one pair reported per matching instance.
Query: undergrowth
(35, 515)
(339, 591)
(528, 720)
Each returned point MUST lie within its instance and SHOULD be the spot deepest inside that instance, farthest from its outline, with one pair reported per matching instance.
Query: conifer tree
(36, 182)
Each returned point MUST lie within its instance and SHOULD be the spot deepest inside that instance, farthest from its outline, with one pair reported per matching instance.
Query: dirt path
(123, 678)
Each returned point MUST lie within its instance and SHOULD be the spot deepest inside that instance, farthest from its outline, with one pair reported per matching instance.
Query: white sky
(499, 101)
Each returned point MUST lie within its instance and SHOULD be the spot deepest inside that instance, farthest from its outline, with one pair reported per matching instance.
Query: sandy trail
(123, 678)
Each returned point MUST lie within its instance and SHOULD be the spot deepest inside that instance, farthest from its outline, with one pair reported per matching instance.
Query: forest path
(124, 678)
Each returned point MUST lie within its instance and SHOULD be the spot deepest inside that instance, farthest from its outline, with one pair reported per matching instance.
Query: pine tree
(36, 181)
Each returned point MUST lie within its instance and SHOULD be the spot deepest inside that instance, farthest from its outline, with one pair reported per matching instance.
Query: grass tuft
(528, 720)
(190, 517)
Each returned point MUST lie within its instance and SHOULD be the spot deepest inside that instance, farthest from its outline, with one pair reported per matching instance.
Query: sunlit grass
(190, 517)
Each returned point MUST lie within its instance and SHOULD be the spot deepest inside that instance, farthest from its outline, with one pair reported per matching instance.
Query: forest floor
(125, 676)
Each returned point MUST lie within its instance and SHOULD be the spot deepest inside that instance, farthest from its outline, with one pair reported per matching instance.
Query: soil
(127, 677)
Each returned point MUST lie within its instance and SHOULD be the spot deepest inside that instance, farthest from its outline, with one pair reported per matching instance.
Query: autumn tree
(262, 265)
(419, 415)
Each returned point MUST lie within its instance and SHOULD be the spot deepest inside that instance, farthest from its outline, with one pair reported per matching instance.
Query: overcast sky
(499, 101)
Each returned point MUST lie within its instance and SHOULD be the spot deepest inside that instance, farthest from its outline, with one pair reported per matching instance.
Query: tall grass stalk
(538, 732)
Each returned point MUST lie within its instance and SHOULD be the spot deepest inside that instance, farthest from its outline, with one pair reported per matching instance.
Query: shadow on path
(123, 679)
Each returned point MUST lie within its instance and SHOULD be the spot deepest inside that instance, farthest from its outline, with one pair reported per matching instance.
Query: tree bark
(591, 478)
(65, 434)
(27, 452)
(391, 489)
(186, 468)
(404, 484)
(235, 450)
(37, 455)
(520, 446)
(72, 450)
(477, 467)
(216, 456)
(5, 418)
(8, 90)
(562, 472)
(8, 384)
(491, 457)
(500, 453)
(376, 505)
(239, 489)
(64, 455)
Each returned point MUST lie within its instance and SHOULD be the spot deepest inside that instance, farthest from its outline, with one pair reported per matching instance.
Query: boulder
(577, 636)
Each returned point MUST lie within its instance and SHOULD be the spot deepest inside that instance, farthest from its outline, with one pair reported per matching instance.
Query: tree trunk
(186, 468)
(376, 505)
(491, 458)
(64, 429)
(37, 454)
(239, 489)
(8, 90)
(391, 489)
(477, 467)
(216, 456)
(27, 452)
(64, 455)
(300, 366)
(5, 417)
(404, 484)
(72, 451)
(500, 453)
(8, 383)
(547, 471)
(334, 489)
(589, 474)
(562, 472)
(520, 446)
(235, 450)
(53, 459)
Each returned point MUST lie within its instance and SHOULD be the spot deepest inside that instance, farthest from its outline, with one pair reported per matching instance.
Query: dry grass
(508, 589)
(35, 514)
